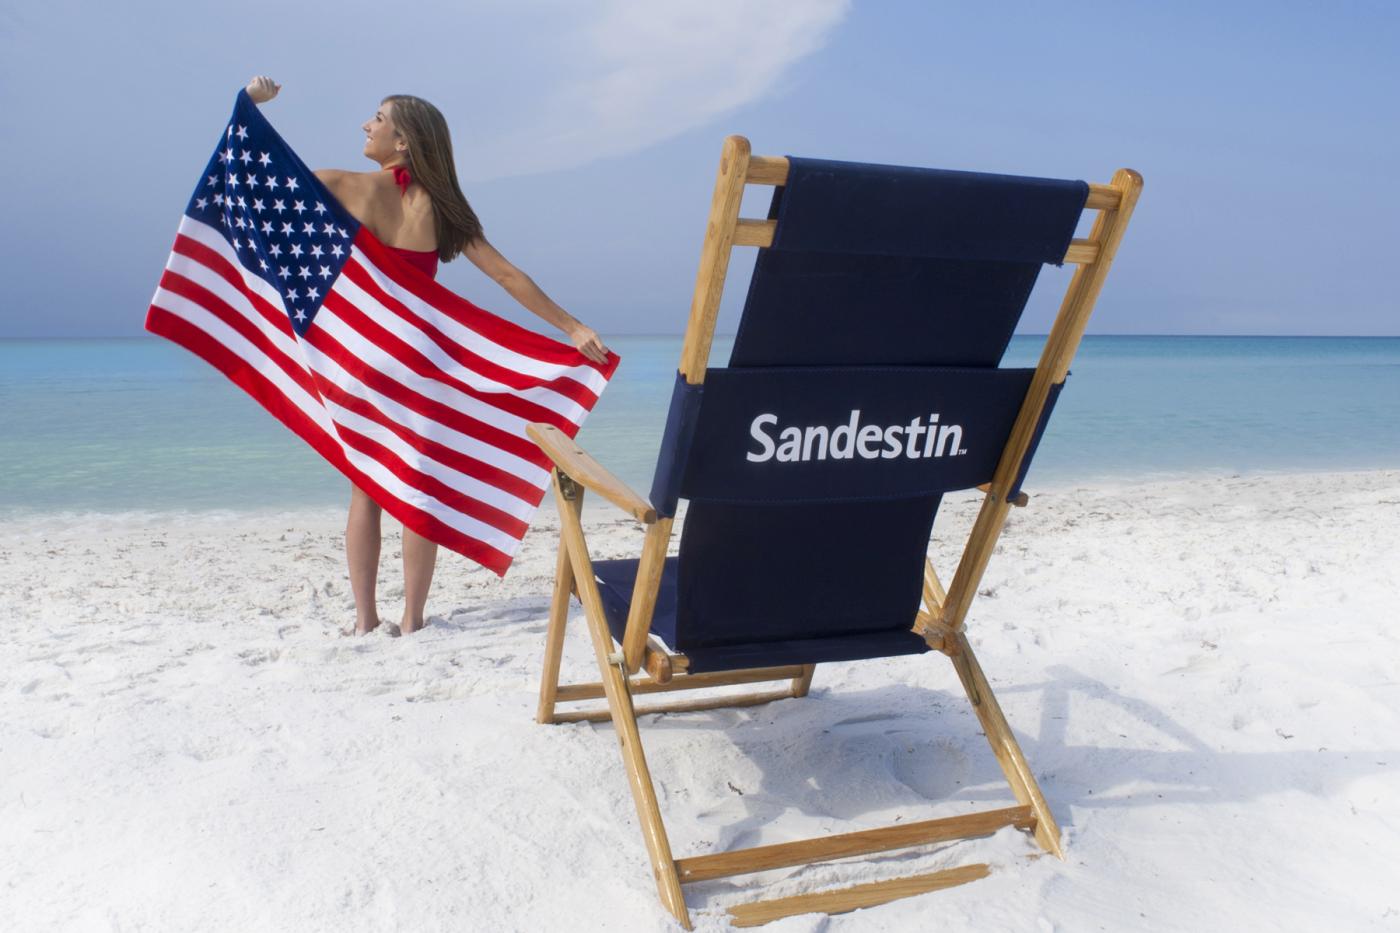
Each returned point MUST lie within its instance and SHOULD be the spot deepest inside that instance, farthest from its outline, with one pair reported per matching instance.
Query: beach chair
(863, 384)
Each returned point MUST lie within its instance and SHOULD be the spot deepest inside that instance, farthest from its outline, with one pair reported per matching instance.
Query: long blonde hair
(430, 163)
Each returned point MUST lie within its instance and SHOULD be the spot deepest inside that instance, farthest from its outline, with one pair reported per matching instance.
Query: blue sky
(587, 134)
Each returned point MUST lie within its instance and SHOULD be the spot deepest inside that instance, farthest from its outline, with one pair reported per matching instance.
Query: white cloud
(647, 70)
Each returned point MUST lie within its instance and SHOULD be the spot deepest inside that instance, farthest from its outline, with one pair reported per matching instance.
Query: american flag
(414, 393)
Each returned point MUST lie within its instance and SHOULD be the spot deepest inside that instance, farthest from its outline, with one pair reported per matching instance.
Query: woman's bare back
(401, 219)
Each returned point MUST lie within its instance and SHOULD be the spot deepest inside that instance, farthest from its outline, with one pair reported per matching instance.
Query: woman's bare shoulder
(339, 180)
(363, 194)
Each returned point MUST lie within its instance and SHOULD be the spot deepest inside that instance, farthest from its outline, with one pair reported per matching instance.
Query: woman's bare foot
(409, 626)
(365, 626)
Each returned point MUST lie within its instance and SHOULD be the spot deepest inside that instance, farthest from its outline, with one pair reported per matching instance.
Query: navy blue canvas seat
(864, 384)
(877, 638)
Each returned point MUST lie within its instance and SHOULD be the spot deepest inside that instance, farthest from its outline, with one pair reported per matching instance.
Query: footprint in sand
(931, 767)
(255, 657)
(206, 748)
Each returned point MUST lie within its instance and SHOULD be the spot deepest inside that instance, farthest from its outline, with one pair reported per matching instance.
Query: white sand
(1205, 676)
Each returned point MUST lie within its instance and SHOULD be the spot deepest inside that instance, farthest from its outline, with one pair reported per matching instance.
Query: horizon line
(678, 336)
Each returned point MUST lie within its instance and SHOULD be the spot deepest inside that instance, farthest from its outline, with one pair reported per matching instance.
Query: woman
(414, 206)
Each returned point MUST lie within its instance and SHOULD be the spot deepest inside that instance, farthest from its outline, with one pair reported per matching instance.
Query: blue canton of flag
(280, 220)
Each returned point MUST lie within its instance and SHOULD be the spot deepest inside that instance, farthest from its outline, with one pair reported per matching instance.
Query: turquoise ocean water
(123, 424)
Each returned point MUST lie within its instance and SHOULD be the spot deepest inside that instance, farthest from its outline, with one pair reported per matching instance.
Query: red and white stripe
(417, 395)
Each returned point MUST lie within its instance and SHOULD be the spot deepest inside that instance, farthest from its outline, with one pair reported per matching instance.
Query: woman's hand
(588, 343)
(262, 89)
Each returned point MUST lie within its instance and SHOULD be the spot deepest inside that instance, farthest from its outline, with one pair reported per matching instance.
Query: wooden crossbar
(844, 845)
(731, 702)
(594, 691)
(843, 900)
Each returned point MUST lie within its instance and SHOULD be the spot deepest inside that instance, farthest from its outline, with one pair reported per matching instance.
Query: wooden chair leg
(803, 682)
(624, 718)
(554, 637)
(1004, 745)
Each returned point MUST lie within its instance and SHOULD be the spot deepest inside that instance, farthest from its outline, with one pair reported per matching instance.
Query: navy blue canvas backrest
(862, 385)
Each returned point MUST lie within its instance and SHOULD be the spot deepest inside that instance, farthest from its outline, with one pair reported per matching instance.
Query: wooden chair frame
(644, 666)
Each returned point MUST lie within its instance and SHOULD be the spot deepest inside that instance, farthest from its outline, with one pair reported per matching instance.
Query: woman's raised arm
(524, 290)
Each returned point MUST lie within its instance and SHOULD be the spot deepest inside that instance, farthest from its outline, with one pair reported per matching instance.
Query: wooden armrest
(573, 460)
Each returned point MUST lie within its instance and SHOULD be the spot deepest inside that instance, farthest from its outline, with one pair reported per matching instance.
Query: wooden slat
(729, 702)
(714, 258)
(644, 593)
(1082, 251)
(845, 845)
(843, 900)
(1103, 198)
(767, 170)
(753, 675)
(754, 232)
(574, 461)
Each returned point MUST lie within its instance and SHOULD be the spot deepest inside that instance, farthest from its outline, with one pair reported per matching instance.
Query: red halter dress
(425, 259)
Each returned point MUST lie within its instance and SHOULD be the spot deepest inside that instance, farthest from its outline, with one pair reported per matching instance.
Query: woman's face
(382, 142)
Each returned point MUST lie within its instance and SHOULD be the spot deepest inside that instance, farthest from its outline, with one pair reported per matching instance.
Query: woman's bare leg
(419, 559)
(362, 556)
